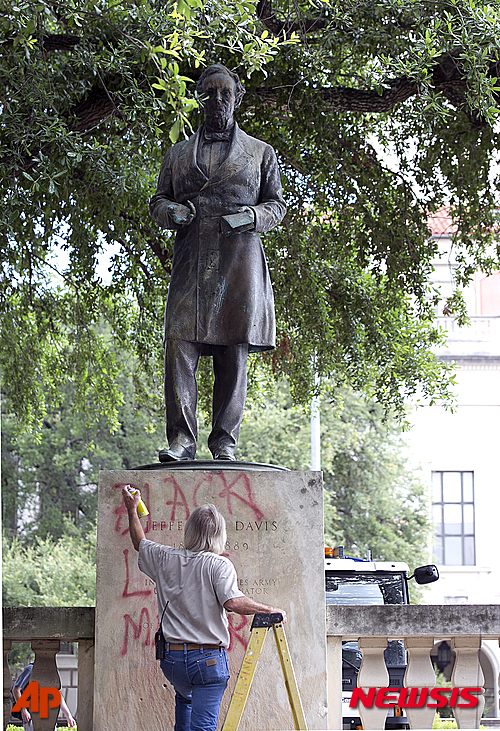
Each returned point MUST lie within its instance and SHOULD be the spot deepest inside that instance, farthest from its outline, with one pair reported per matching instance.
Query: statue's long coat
(220, 291)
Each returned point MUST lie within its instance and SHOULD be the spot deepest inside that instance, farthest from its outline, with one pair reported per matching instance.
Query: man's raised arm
(134, 524)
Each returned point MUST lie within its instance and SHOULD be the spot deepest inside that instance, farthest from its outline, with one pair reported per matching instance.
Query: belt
(191, 646)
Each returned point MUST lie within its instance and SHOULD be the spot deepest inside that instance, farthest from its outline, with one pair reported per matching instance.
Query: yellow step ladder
(260, 627)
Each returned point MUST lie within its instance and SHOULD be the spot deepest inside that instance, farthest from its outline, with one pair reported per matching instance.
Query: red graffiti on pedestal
(238, 489)
(236, 625)
(126, 593)
(137, 629)
(229, 493)
(179, 499)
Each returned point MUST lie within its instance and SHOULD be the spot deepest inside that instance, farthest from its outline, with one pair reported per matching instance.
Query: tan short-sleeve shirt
(196, 586)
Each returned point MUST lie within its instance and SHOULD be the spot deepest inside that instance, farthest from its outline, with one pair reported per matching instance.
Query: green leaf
(175, 131)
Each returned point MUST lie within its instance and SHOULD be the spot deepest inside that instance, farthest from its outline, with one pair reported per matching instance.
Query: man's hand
(181, 214)
(25, 715)
(245, 605)
(131, 501)
(69, 718)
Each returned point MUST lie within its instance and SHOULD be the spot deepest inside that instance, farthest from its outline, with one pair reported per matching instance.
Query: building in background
(460, 454)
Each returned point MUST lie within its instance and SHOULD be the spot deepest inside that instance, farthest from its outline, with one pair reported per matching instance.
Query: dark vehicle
(363, 581)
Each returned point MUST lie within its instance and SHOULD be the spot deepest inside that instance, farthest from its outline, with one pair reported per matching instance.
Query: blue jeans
(199, 678)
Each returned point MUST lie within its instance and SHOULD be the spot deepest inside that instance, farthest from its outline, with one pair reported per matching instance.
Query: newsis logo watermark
(415, 697)
(38, 700)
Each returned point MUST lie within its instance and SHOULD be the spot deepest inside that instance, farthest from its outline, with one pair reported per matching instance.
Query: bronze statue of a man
(219, 189)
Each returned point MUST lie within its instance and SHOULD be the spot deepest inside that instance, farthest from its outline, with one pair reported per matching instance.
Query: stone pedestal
(275, 540)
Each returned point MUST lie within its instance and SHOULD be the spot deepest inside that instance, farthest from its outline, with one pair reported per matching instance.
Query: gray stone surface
(70, 624)
(275, 539)
(85, 693)
(423, 619)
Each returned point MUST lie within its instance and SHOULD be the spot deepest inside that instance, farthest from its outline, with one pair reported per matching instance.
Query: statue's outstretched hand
(180, 213)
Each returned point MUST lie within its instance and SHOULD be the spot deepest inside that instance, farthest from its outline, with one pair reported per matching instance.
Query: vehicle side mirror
(426, 574)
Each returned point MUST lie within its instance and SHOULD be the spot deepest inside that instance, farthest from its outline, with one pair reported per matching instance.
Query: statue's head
(221, 92)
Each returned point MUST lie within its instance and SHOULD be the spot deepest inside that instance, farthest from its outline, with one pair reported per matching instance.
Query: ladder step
(259, 629)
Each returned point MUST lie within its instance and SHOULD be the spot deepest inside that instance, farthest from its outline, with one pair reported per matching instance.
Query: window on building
(453, 508)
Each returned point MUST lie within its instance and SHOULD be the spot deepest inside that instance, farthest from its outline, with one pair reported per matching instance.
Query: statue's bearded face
(218, 91)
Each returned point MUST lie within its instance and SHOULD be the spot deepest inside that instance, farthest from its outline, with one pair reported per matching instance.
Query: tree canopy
(47, 480)
(374, 497)
(50, 573)
(380, 113)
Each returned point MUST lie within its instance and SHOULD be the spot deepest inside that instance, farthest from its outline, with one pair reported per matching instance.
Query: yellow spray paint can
(141, 507)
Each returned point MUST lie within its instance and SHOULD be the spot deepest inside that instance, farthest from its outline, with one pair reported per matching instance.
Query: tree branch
(346, 99)
(268, 17)
(94, 109)
(152, 241)
(134, 256)
(447, 77)
(59, 42)
(343, 98)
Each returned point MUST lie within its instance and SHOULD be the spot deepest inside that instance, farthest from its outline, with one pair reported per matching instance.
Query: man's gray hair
(218, 68)
(205, 530)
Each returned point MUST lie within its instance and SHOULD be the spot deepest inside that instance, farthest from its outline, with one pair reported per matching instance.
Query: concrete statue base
(275, 540)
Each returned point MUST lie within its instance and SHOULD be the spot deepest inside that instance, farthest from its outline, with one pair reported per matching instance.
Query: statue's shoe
(225, 453)
(176, 453)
